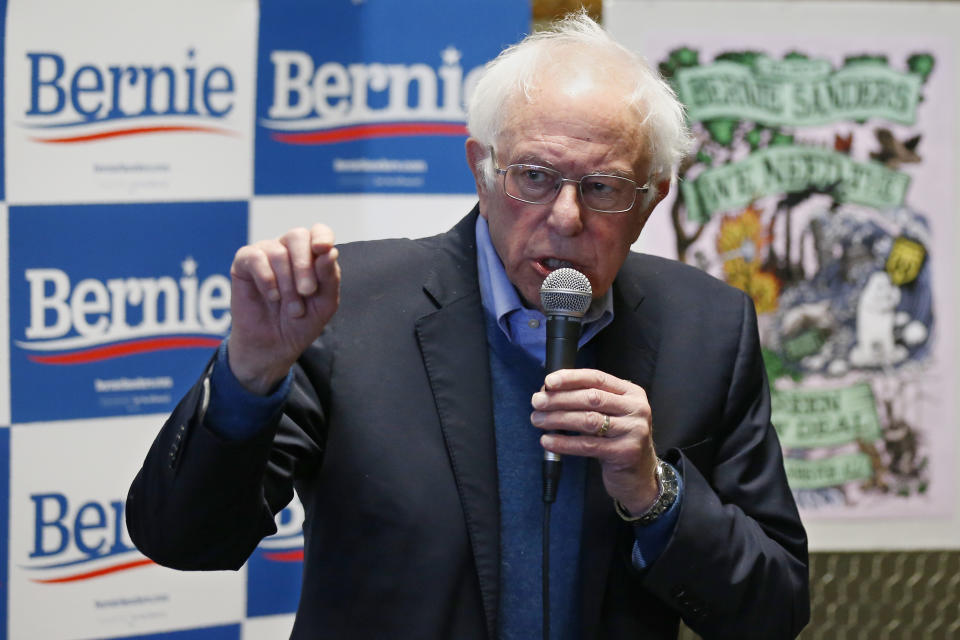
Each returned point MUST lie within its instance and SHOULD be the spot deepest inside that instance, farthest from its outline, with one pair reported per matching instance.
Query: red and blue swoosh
(293, 555)
(134, 131)
(117, 566)
(282, 547)
(118, 128)
(128, 348)
(370, 131)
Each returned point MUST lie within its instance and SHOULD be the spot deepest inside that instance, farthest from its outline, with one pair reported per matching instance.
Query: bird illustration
(893, 152)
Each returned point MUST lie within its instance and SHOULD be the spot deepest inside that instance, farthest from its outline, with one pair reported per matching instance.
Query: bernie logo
(286, 545)
(336, 103)
(94, 320)
(90, 103)
(73, 546)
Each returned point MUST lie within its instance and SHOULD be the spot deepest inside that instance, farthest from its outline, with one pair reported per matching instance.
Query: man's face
(576, 131)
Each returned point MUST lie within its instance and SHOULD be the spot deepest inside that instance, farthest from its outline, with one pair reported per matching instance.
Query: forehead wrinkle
(555, 152)
(588, 133)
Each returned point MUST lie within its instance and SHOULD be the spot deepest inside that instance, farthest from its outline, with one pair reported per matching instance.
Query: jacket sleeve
(201, 501)
(736, 565)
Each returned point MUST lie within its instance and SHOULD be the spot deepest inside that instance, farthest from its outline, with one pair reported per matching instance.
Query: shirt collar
(500, 298)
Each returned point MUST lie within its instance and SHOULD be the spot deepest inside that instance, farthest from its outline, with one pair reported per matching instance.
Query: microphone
(565, 296)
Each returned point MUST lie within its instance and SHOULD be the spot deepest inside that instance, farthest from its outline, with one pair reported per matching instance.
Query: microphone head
(566, 292)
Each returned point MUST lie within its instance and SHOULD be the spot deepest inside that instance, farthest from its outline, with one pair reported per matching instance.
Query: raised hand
(284, 291)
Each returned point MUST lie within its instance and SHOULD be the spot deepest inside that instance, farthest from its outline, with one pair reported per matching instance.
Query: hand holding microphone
(610, 417)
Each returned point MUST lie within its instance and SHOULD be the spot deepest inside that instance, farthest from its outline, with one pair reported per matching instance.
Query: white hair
(568, 45)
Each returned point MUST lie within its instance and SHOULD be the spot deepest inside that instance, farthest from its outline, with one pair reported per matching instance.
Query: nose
(566, 212)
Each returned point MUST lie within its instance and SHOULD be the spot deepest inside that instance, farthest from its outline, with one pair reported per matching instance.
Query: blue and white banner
(74, 573)
(142, 102)
(352, 97)
(114, 309)
(4, 524)
(3, 102)
(275, 568)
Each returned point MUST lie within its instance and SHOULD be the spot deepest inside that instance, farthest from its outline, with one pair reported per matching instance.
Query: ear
(476, 153)
(663, 188)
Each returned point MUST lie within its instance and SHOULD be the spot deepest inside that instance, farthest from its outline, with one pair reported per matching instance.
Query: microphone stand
(563, 333)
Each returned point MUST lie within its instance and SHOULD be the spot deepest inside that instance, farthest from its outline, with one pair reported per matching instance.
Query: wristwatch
(669, 488)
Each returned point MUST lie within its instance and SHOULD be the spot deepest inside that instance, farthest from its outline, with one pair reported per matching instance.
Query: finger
(588, 423)
(326, 268)
(279, 258)
(623, 453)
(250, 264)
(566, 379)
(321, 239)
(570, 445)
(589, 400)
(300, 254)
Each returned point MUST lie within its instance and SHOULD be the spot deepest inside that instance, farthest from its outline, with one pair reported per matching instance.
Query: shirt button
(533, 323)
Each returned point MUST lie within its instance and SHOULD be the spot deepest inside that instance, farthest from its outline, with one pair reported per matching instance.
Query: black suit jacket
(388, 437)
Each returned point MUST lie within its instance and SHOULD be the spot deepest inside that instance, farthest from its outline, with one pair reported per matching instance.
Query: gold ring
(604, 427)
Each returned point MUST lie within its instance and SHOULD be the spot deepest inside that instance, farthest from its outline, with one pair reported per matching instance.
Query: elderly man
(400, 407)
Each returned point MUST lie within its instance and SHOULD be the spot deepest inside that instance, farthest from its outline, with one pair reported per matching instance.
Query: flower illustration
(740, 243)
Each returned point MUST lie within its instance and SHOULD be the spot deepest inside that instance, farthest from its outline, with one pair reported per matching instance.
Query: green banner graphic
(806, 419)
(798, 92)
(792, 168)
(828, 472)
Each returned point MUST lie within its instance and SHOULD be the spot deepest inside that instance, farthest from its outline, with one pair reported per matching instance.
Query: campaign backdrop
(339, 100)
(823, 182)
(143, 144)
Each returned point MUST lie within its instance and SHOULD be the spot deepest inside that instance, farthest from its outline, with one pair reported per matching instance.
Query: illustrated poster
(821, 184)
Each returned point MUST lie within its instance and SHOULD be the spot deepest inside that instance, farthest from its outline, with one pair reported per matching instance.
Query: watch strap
(669, 489)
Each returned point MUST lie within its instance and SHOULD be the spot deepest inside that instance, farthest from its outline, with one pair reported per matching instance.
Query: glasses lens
(531, 183)
(608, 193)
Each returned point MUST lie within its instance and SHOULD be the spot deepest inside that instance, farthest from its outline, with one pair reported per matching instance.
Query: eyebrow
(529, 158)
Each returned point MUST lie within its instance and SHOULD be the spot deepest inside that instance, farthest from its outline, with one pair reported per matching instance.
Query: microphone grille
(566, 292)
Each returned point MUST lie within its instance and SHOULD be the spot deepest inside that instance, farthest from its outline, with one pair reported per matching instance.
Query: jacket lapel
(453, 344)
(627, 350)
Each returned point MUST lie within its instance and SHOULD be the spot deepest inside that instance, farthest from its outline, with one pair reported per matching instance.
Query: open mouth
(552, 264)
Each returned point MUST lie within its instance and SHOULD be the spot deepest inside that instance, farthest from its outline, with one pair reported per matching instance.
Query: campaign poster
(275, 568)
(370, 217)
(74, 572)
(116, 308)
(4, 526)
(3, 32)
(4, 324)
(268, 627)
(113, 100)
(369, 97)
(821, 184)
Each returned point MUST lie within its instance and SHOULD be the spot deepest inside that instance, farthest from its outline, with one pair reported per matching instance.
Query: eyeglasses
(598, 191)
